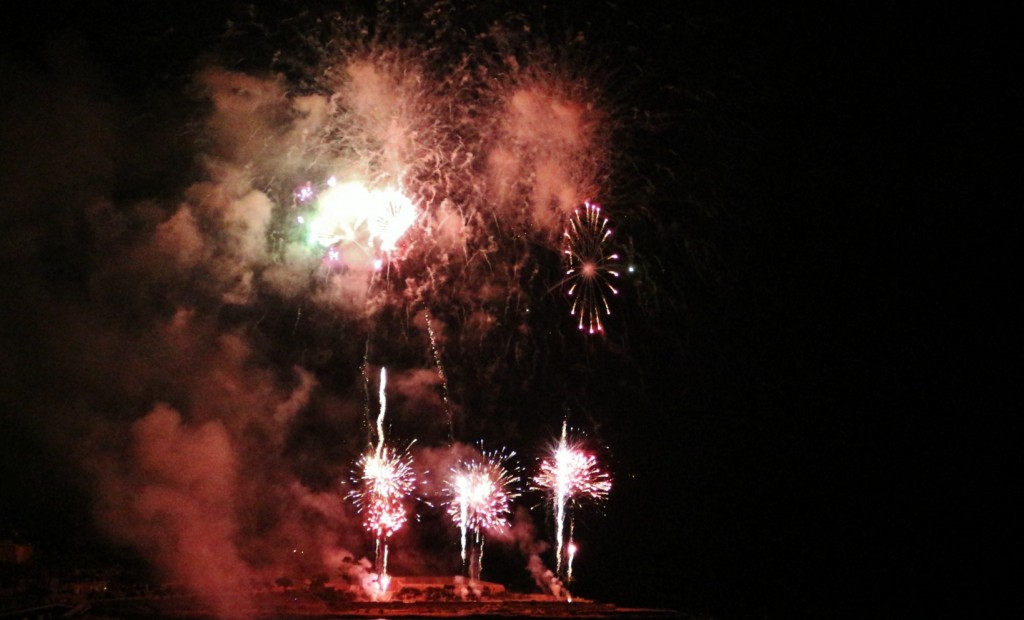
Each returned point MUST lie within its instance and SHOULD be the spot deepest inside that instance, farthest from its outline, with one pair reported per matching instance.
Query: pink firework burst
(590, 267)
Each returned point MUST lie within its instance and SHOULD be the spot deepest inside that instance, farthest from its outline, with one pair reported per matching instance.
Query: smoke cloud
(174, 499)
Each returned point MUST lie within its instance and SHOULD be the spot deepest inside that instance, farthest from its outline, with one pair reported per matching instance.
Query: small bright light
(631, 269)
(301, 219)
(377, 264)
(331, 182)
(305, 192)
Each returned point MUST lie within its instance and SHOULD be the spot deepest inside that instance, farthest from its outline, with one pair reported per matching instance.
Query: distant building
(435, 588)
(87, 586)
(426, 588)
(14, 552)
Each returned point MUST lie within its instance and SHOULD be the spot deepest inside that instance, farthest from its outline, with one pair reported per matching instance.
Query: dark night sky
(813, 416)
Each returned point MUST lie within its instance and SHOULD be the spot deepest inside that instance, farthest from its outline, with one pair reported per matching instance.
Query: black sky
(817, 417)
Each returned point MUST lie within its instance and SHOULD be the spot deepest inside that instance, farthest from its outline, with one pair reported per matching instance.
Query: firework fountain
(569, 476)
(479, 493)
(385, 481)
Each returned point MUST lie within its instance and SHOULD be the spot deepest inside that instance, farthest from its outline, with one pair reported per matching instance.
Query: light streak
(571, 551)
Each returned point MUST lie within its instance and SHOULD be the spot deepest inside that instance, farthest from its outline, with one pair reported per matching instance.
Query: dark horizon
(803, 396)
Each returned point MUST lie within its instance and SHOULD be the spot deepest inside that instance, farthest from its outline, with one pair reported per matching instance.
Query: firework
(479, 495)
(461, 143)
(569, 476)
(590, 268)
(393, 215)
(305, 192)
(571, 552)
(341, 214)
(350, 213)
(384, 481)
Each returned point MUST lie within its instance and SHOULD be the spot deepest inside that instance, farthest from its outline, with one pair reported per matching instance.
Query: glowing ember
(305, 192)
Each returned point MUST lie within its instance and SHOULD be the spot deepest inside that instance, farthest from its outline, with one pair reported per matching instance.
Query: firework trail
(569, 476)
(479, 494)
(441, 374)
(571, 553)
(382, 398)
(590, 266)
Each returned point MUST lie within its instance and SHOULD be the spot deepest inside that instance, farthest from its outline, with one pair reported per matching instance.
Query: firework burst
(350, 213)
(590, 267)
(569, 476)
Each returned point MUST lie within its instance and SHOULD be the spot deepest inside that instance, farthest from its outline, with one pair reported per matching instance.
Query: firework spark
(441, 374)
(479, 496)
(569, 476)
(571, 551)
(589, 266)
